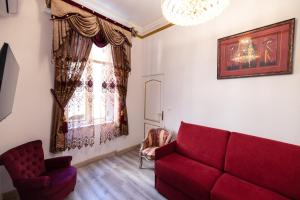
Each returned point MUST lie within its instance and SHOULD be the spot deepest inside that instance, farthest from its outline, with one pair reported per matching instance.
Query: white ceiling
(144, 15)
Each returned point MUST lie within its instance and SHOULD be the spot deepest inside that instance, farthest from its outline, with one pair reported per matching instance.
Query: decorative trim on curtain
(74, 31)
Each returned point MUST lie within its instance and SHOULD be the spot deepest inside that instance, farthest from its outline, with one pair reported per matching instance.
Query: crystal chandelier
(192, 12)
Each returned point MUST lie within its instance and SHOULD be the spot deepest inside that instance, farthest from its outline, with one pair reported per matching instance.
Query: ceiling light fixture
(192, 12)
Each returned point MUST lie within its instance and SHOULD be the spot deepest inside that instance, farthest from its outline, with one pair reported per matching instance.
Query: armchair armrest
(32, 183)
(144, 145)
(59, 162)
(1, 162)
(165, 150)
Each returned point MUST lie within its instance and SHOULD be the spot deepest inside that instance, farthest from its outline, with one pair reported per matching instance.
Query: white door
(153, 106)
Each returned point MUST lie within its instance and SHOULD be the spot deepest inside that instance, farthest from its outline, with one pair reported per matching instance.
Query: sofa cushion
(267, 163)
(188, 176)
(204, 144)
(229, 187)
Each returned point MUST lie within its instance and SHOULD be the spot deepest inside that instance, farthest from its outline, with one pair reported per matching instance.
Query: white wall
(30, 35)
(264, 106)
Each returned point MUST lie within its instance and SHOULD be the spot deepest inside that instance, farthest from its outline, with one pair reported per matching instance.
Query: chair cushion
(61, 177)
(157, 137)
(267, 163)
(62, 182)
(149, 153)
(204, 144)
(229, 187)
(188, 176)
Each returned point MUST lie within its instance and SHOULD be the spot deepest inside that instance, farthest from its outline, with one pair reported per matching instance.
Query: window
(94, 101)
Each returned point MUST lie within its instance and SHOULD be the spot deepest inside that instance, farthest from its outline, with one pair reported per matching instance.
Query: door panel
(153, 107)
(153, 100)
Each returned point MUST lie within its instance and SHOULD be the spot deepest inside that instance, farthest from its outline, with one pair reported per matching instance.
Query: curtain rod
(97, 14)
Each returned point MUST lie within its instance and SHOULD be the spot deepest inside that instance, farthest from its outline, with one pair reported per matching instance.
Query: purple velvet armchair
(36, 178)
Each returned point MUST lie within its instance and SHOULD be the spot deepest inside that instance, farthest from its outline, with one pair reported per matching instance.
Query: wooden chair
(155, 138)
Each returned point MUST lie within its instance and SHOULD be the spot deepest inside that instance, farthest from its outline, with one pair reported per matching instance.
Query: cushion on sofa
(204, 144)
(266, 163)
(229, 187)
(188, 176)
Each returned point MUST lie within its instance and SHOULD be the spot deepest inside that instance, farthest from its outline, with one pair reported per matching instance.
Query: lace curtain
(92, 110)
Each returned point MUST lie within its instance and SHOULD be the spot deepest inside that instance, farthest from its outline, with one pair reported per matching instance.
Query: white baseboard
(97, 158)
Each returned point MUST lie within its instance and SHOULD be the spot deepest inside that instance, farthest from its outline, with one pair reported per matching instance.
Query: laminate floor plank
(116, 178)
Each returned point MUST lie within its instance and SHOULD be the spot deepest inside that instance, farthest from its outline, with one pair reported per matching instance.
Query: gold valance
(66, 16)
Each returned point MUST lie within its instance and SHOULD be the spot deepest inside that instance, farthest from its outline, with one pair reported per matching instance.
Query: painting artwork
(263, 51)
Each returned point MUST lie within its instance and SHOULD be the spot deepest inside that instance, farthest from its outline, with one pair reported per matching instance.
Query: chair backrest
(267, 163)
(24, 161)
(158, 137)
(203, 144)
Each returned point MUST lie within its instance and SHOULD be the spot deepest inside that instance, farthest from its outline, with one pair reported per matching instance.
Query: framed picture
(260, 52)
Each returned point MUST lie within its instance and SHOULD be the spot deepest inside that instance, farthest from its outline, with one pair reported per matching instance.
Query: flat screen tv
(9, 72)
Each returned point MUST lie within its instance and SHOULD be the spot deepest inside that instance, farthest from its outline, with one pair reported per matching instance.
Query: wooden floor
(116, 178)
(113, 178)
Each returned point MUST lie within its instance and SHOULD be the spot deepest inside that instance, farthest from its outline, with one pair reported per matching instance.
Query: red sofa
(208, 163)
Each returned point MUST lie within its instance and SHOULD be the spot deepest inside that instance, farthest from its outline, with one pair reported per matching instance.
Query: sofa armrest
(59, 162)
(165, 150)
(32, 183)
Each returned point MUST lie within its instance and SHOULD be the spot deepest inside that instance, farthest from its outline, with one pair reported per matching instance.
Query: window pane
(92, 103)
(77, 104)
(101, 54)
(98, 101)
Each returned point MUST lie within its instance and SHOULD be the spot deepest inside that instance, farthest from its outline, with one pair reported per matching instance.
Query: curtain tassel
(56, 100)
(64, 126)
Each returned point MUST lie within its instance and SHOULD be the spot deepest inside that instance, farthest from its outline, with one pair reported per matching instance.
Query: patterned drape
(69, 60)
(74, 30)
(121, 72)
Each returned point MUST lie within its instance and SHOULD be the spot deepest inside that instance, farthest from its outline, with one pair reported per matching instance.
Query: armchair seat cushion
(60, 178)
(149, 153)
(188, 176)
(62, 181)
(230, 187)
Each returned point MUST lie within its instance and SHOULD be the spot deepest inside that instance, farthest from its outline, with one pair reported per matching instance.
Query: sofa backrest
(203, 144)
(24, 161)
(267, 163)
